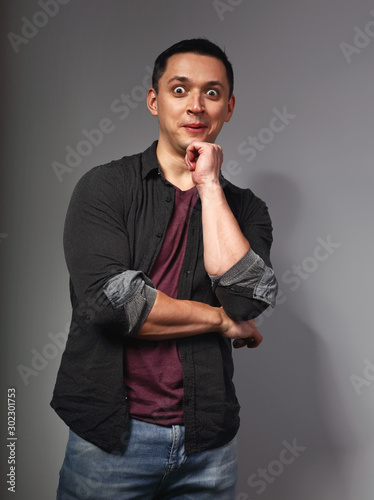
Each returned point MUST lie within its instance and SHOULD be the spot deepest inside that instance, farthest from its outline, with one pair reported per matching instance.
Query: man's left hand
(204, 161)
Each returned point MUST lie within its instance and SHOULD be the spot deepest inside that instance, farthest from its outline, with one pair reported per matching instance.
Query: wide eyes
(181, 90)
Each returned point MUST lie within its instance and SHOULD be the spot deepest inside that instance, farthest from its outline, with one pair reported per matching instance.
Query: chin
(199, 138)
(183, 145)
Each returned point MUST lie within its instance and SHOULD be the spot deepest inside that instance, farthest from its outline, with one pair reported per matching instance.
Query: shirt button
(159, 235)
(168, 199)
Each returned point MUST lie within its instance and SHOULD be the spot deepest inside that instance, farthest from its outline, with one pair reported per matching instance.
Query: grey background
(316, 176)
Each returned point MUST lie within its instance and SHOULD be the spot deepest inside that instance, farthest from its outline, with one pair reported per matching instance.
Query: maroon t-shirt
(153, 372)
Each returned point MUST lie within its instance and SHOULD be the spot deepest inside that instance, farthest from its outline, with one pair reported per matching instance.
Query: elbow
(96, 312)
(121, 306)
(241, 308)
(243, 305)
(246, 289)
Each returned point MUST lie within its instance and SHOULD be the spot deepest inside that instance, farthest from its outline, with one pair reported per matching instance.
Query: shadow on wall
(288, 447)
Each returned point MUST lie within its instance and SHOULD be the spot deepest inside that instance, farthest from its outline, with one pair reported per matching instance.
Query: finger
(190, 162)
(196, 145)
(238, 343)
(192, 150)
(191, 157)
(252, 343)
(187, 162)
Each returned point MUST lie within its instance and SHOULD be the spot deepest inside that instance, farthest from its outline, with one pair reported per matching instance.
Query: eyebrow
(184, 79)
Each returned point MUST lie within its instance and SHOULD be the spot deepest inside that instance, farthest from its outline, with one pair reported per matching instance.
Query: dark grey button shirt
(116, 221)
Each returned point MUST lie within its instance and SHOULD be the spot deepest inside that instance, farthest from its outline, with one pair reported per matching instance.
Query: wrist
(209, 187)
(224, 321)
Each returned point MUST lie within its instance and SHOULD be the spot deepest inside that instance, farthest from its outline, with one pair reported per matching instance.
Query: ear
(230, 108)
(152, 101)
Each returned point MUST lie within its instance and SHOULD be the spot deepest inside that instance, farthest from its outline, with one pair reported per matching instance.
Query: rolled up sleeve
(135, 293)
(247, 288)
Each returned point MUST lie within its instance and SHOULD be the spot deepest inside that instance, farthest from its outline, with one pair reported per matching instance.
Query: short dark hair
(200, 46)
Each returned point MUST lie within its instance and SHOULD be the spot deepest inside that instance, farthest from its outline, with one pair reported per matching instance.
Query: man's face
(192, 101)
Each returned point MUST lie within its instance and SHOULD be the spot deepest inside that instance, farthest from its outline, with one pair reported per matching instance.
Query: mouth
(195, 128)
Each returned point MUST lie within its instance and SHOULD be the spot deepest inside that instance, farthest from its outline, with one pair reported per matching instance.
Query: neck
(174, 169)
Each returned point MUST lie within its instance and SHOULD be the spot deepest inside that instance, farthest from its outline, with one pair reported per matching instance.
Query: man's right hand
(244, 333)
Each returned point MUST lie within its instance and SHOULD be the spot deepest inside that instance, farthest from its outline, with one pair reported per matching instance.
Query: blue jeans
(151, 465)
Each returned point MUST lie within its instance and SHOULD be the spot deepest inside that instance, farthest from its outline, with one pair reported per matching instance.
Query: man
(168, 262)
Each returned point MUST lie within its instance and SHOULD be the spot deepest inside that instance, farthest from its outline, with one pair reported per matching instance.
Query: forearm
(224, 242)
(172, 318)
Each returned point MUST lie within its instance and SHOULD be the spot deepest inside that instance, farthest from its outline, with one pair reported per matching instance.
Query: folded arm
(98, 253)
(152, 315)
(236, 258)
(173, 318)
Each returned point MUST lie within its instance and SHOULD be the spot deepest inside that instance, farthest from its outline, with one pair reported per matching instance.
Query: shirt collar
(150, 163)
(149, 160)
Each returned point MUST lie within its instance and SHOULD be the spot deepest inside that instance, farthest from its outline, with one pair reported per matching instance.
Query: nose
(195, 103)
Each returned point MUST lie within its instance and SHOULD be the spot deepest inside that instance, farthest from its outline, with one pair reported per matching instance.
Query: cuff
(251, 277)
(136, 293)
